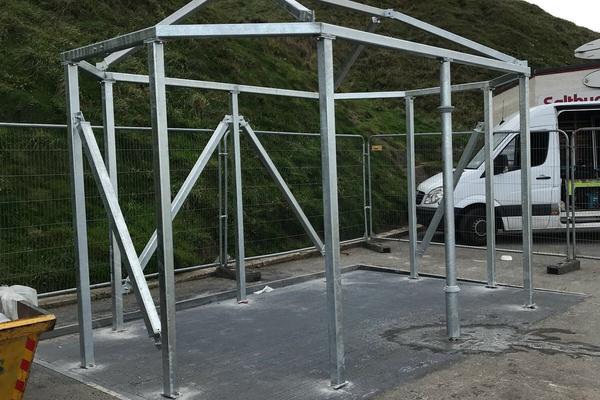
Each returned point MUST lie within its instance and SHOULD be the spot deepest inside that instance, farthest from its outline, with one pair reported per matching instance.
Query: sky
(581, 12)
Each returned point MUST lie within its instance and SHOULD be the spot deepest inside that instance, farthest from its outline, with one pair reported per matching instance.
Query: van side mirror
(500, 164)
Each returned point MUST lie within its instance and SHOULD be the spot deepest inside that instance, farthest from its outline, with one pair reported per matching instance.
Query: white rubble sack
(3, 318)
(266, 289)
(9, 296)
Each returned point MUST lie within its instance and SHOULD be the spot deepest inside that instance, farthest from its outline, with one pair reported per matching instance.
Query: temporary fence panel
(36, 244)
(270, 224)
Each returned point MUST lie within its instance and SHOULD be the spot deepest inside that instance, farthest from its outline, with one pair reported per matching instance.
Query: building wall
(565, 87)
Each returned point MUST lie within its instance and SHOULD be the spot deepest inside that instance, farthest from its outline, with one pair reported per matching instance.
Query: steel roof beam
(398, 16)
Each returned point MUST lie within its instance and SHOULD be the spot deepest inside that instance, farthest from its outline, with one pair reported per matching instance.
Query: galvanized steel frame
(119, 47)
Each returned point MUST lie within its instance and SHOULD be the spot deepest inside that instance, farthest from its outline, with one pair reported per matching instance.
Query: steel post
(451, 289)
(412, 186)
(164, 223)
(490, 205)
(370, 189)
(365, 156)
(110, 159)
(330, 210)
(240, 254)
(84, 301)
(222, 195)
(526, 189)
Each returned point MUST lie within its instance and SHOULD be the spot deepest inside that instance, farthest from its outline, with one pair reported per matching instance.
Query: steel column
(451, 289)
(164, 223)
(412, 186)
(110, 159)
(240, 253)
(526, 189)
(330, 210)
(84, 301)
(490, 203)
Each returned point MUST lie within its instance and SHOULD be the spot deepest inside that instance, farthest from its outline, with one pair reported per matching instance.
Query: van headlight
(435, 196)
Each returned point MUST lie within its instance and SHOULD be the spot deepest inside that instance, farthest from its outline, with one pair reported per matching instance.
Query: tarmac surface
(564, 367)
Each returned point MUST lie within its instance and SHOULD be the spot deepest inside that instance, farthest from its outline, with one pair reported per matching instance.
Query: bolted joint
(324, 36)
(445, 60)
(451, 289)
(446, 109)
(153, 40)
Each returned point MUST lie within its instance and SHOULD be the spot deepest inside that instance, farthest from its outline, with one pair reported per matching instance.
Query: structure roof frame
(306, 29)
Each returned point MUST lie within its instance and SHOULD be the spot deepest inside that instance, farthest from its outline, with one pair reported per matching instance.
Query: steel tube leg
(162, 190)
(330, 209)
(84, 301)
(110, 151)
(490, 209)
(526, 190)
(452, 289)
(412, 186)
(240, 254)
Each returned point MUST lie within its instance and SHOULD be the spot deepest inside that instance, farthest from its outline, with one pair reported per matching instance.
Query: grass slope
(35, 242)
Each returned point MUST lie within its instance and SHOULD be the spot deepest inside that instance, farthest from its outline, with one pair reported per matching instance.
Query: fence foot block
(377, 247)
(229, 273)
(564, 267)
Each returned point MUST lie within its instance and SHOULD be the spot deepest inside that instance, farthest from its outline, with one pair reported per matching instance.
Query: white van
(548, 175)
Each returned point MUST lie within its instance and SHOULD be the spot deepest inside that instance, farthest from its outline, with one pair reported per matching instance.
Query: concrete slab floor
(276, 346)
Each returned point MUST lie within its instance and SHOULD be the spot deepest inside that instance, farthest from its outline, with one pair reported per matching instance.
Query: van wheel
(473, 227)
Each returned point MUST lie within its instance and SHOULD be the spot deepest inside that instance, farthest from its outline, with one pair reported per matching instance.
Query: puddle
(477, 339)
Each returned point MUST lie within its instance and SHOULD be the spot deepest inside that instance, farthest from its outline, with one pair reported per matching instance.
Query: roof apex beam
(393, 14)
(174, 18)
(297, 10)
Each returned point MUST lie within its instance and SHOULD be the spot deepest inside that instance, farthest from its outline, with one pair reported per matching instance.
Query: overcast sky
(582, 12)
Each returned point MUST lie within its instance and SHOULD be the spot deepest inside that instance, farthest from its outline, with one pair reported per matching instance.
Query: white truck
(549, 170)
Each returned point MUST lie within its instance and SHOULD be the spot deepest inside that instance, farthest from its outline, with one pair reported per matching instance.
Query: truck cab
(549, 175)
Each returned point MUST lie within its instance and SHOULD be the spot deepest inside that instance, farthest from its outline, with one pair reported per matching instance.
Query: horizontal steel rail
(287, 29)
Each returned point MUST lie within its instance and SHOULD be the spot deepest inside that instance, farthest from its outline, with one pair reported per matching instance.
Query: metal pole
(240, 262)
(490, 205)
(365, 155)
(412, 186)
(110, 156)
(164, 223)
(330, 211)
(451, 289)
(526, 189)
(222, 260)
(84, 300)
(370, 187)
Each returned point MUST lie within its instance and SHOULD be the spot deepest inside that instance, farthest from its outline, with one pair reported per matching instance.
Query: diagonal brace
(356, 52)
(111, 204)
(174, 18)
(188, 185)
(297, 10)
(439, 212)
(289, 196)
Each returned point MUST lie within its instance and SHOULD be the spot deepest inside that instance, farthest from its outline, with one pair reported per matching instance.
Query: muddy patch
(494, 339)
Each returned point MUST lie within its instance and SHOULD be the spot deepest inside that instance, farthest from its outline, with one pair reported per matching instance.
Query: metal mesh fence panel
(389, 191)
(269, 222)
(36, 243)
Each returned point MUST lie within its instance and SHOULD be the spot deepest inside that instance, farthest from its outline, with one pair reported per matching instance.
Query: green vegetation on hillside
(35, 239)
